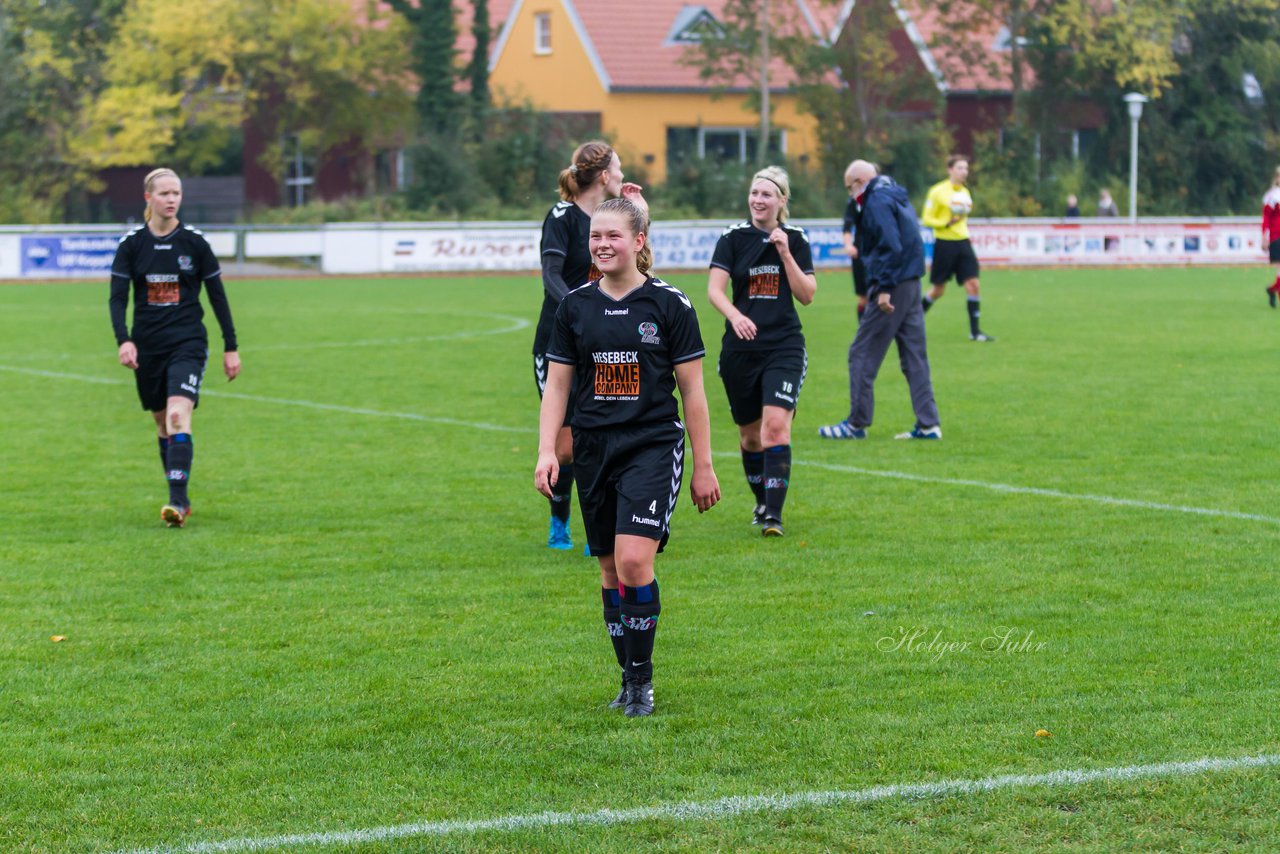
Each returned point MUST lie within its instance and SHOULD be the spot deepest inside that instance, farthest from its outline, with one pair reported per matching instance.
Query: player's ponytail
(639, 222)
(149, 182)
(590, 161)
(1275, 182)
(777, 176)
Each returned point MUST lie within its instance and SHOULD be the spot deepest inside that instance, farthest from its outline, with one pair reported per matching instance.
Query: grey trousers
(878, 330)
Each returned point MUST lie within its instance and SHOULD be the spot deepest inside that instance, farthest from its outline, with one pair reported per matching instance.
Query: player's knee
(776, 433)
(633, 567)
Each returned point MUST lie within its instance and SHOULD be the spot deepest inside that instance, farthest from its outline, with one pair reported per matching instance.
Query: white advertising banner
(356, 248)
(1118, 242)
(459, 249)
(10, 256)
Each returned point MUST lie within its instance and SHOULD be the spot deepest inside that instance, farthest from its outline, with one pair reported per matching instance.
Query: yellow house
(618, 62)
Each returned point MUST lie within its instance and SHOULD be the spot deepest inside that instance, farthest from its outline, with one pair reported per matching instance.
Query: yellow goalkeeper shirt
(937, 213)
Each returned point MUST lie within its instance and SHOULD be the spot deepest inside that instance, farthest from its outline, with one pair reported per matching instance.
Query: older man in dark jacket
(888, 240)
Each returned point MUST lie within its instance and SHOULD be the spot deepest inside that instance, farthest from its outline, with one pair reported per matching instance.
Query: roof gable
(640, 46)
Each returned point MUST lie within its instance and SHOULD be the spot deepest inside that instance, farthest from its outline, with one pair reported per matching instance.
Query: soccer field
(360, 642)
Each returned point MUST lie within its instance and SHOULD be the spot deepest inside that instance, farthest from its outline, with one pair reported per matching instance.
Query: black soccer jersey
(760, 287)
(565, 232)
(624, 352)
(166, 274)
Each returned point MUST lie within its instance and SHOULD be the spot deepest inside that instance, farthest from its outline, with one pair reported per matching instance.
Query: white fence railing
(81, 251)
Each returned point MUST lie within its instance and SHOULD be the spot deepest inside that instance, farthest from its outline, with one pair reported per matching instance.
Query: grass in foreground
(362, 627)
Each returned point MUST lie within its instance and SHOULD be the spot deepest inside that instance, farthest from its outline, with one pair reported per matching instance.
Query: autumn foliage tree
(181, 79)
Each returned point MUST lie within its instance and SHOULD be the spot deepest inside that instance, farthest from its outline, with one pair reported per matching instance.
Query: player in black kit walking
(165, 263)
(623, 344)
(762, 356)
(596, 173)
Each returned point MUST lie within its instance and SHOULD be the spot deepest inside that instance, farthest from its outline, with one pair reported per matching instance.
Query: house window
(691, 26)
(726, 144)
(542, 33)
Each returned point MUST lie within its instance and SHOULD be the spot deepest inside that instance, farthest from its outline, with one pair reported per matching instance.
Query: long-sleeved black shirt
(166, 274)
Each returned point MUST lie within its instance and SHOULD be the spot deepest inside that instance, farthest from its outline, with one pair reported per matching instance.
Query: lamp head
(1135, 102)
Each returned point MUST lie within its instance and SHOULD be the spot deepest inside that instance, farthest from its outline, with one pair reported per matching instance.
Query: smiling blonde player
(623, 344)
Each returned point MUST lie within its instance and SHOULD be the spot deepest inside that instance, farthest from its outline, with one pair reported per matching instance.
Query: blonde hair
(149, 182)
(777, 176)
(590, 160)
(1275, 182)
(639, 222)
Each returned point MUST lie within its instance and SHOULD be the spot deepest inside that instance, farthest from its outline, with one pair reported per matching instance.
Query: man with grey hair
(888, 239)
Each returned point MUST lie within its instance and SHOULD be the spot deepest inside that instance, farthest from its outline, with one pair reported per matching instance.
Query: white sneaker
(918, 432)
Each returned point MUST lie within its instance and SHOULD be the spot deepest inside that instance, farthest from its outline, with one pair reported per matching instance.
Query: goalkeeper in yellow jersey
(946, 211)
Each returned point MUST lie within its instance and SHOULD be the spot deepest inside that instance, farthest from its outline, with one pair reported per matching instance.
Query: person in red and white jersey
(1271, 232)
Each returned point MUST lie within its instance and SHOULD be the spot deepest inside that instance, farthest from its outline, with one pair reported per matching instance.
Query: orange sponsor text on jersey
(764, 281)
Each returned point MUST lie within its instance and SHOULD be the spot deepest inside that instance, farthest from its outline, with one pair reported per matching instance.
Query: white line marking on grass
(897, 475)
(515, 324)
(283, 401)
(721, 808)
(1045, 493)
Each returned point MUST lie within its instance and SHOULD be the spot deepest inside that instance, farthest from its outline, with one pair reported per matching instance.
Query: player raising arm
(760, 269)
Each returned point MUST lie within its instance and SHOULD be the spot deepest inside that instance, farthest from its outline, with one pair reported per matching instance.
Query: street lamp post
(1135, 102)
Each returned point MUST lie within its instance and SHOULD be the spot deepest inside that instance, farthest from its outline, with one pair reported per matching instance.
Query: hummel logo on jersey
(164, 245)
(612, 312)
(679, 295)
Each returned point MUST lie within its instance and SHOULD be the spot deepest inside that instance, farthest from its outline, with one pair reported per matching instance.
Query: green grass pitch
(362, 627)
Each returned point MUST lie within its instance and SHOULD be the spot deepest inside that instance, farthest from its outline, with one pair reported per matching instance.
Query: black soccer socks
(561, 493)
(974, 314)
(640, 609)
(613, 623)
(753, 466)
(164, 452)
(777, 475)
(178, 463)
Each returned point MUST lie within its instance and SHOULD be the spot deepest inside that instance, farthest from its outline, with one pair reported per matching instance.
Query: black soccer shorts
(953, 258)
(1274, 249)
(177, 373)
(756, 379)
(628, 481)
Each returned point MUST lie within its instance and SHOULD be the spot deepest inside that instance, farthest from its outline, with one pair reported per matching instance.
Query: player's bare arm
(704, 486)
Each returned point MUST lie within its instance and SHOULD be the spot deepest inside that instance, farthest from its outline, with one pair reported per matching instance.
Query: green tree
(1063, 59)
(294, 68)
(51, 56)
(478, 68)
(887, 110)
(866, 100)
(1207, 147)
(432, 46)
